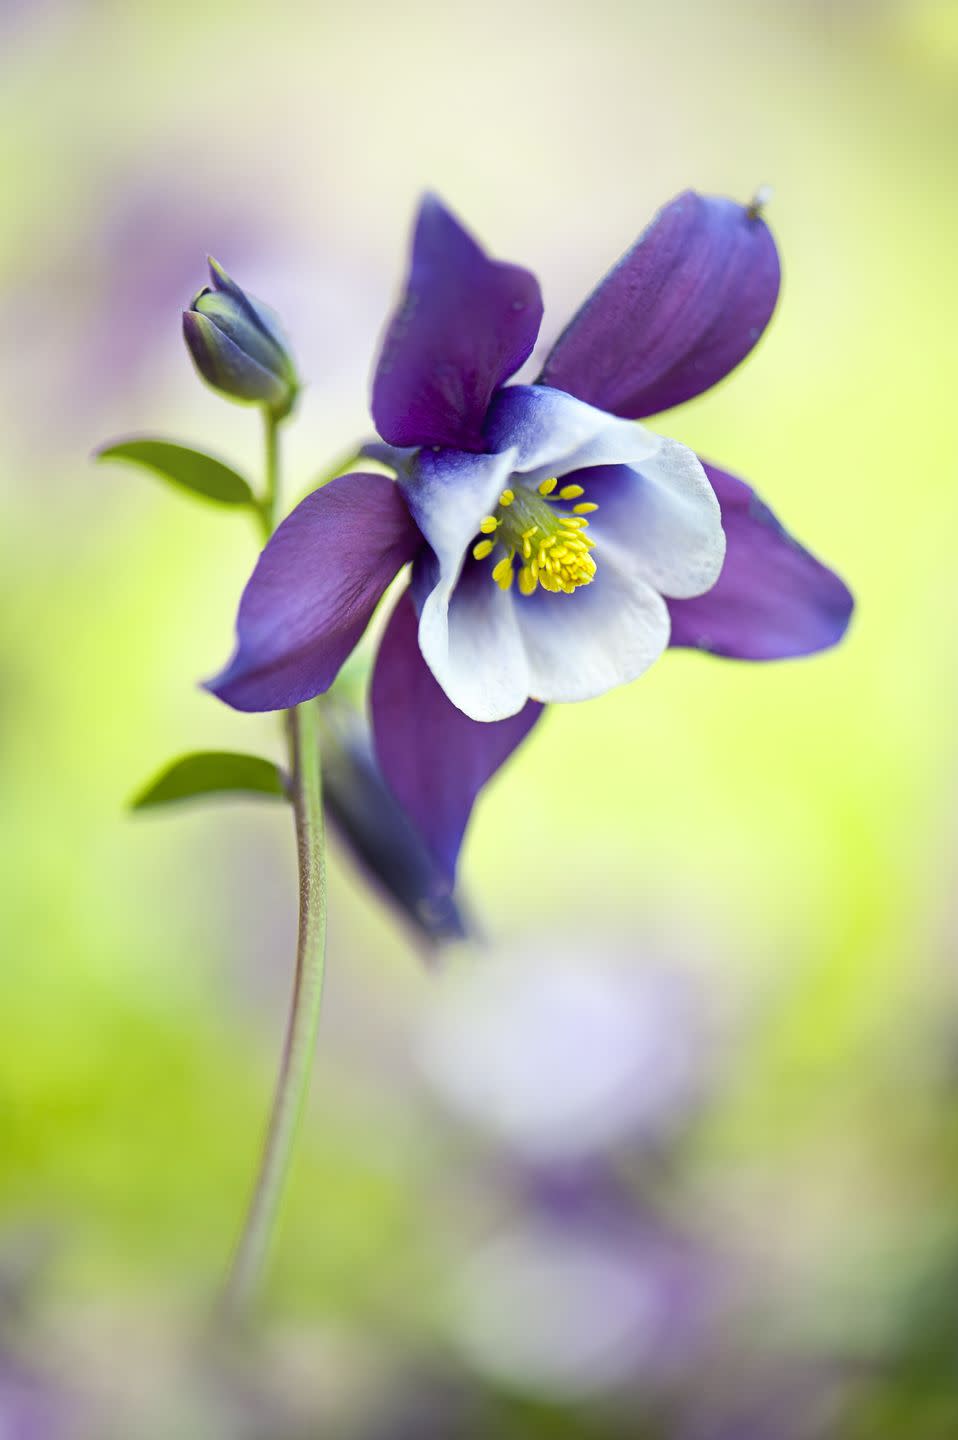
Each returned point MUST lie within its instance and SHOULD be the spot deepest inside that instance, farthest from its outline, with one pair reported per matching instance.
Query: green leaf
(212, 772)
(189, 469)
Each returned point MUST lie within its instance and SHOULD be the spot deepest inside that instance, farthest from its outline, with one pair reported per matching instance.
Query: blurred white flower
(562, 1058)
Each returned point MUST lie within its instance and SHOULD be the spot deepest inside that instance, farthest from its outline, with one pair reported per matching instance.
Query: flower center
(542, 540)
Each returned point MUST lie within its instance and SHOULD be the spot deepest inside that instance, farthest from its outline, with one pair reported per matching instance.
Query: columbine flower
(557, 547)
(238, 346)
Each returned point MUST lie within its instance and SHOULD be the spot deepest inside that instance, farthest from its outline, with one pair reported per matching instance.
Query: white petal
(659, 519)
(448, 493)
(467, 632)
(603, 635)
(551, 433)
(471, 643)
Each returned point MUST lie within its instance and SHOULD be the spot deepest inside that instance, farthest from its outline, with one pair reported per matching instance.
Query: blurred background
(675, 1155)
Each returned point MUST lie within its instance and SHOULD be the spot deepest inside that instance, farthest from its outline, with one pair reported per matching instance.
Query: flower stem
(269, 505)
(292, 1085)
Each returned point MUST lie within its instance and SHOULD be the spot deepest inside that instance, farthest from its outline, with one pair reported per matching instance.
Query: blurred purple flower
(31, 1408)
(561, 1060)
(583, 1293)
(512, 603)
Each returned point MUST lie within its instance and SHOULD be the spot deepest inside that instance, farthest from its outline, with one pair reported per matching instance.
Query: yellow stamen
(548, 539)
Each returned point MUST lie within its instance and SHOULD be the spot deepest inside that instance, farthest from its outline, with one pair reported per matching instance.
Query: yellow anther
(489, 525)
(547, 486)
(586, 508)
(571, 492)
(503, 572)
(507, 497)
(527, 581)
(484, 548)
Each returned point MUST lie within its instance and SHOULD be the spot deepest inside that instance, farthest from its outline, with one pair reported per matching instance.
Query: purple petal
(313, 591)
(435, 759)
(773, 599)
(680, 310)
(465, 324)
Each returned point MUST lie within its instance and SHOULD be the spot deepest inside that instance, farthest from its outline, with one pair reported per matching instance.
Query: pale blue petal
(605, 634)
(660, 518)
(472, 643)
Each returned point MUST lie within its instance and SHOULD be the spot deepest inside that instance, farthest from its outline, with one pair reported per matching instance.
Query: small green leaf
(210, 772)
(190, 469)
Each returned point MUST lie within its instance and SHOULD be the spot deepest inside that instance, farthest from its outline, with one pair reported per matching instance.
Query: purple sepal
(465, 324)
(680, 310)
(313, 591)
(365, 813)
(773, 599)
(434, 758)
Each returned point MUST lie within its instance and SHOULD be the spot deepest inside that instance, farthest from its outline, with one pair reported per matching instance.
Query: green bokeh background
(789, 830)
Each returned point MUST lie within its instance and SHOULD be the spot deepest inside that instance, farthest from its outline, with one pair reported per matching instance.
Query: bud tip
(762, 197)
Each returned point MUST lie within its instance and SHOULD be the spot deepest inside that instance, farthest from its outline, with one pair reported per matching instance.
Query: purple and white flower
(557, 546)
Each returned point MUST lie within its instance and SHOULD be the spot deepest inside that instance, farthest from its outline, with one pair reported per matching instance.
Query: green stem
(269, 505)
(299, 1047)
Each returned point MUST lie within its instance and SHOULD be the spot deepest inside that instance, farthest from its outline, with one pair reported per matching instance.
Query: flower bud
(238, 346)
